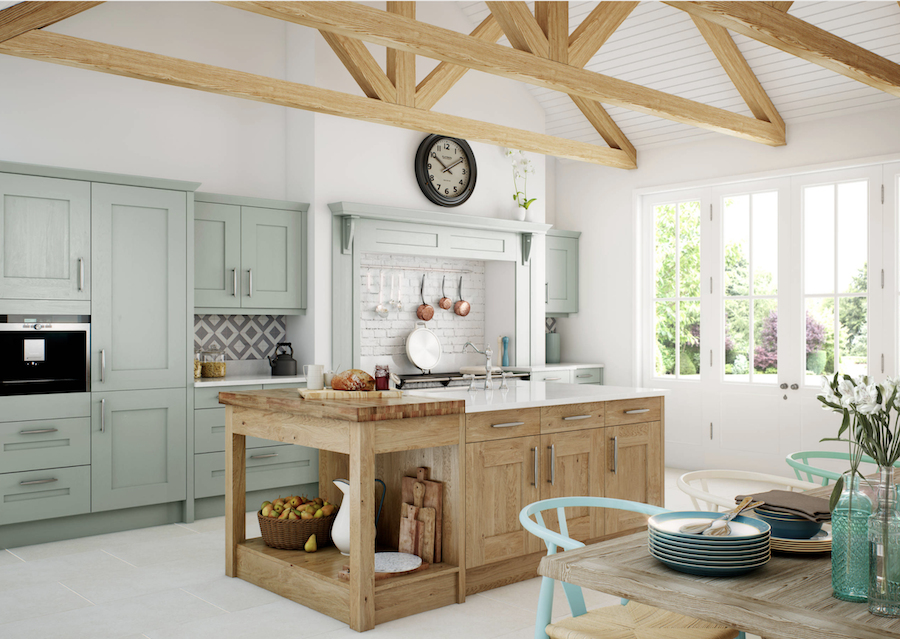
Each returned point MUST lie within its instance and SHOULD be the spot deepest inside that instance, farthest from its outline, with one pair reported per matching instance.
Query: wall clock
(445, 170)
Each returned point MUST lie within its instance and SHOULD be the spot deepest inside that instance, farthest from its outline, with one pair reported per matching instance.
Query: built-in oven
(45, 354)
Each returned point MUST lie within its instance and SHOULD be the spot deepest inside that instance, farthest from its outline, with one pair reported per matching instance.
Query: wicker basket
(291, 534)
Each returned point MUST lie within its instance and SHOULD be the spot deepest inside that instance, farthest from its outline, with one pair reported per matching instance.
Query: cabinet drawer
(633, 411)
(44, 494)
(563, 377)
(502, 424)
(209, 432)
(47, 443)
(556, 419)
(51, 406)
(270, 467)
(209, 397)
(587, 376)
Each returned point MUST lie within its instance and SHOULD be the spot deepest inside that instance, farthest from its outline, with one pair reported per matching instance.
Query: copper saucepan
(425, 311)
(445, 302)
(461, 307)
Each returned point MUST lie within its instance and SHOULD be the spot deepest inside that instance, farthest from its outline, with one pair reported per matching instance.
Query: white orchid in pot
(522, 168)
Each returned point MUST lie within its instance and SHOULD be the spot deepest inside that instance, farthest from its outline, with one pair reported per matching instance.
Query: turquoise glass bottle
(884, 549)
(849, 542)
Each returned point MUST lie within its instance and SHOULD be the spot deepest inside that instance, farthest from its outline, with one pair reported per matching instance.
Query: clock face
(445, 168)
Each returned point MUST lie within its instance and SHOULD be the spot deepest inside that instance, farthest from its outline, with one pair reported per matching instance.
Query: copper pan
(425, 311)
(461, 307)
(445, 302)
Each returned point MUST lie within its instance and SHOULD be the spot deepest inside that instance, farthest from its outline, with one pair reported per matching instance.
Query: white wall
(600, 203)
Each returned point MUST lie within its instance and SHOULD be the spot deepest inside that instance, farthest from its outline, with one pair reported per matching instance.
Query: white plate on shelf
(396, 562)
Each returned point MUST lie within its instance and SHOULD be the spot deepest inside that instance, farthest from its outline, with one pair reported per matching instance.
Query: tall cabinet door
(561, 294)
(140, 276)
(138, 448)
(45, 238)
(272, 258)
(573, 463)
(217, 255)
(502, 477)
(634, 471)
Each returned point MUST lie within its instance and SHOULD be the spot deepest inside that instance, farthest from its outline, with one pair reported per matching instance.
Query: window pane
(664, 360)
(689, 242)
(737, 245)
(689, 357)
(820, 347)
(765, 340)
(664, 250)
(765, 243)
(737, 340)
(852, 237)
(853, 349)
(818, 241)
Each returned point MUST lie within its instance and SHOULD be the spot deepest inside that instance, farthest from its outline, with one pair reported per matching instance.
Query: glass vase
(884, 549)
(849, 542)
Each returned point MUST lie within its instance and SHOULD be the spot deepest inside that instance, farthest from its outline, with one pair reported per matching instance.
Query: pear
(284, 514)
(272, 514)
(319, 514)
(327, 509)
(319, 500)
(266, 509)
(264, 504)
(310, 545)
(305, 515)
(279, 502)
(293, 515)
(295, 501)
(277, 508)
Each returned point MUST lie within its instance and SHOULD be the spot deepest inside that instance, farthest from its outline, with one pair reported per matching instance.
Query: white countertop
(535, 394)
(246, 380)
(550, 367)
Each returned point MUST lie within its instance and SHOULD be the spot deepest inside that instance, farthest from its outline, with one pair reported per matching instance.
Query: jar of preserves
(212, 363)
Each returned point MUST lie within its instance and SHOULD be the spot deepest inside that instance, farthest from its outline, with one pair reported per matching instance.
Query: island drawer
(587, 376)
(209, 432)
(270, 467)
(209, 397)
(566, 417)
(45, 443)
(40, 494)
(502, 424)
(632, 411)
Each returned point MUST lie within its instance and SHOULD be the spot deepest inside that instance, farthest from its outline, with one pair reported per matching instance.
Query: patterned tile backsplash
(240, 336)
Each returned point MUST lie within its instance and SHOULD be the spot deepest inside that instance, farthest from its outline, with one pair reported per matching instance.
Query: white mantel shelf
(536, 394)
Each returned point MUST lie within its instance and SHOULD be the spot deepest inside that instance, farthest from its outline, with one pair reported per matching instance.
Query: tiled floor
(168, 582)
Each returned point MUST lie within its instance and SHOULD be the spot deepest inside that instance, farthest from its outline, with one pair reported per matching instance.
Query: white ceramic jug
(340, 530)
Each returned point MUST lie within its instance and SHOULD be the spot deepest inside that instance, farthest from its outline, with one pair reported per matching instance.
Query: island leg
(235, 495)
(361, 502)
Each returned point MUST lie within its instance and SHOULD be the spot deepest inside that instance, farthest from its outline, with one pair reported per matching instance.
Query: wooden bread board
(339, 394)
(434, 498)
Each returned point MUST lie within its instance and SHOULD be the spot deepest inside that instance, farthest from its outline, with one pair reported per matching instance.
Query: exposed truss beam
(26, 16)
(520, 27)
(445, 75)
(742, 76)
(781, 6)
(595, 30)
(605, 125)
(553, 18)
(380, 27)
(797, 37)
(362, 66)
(401, 65)
(142, 65)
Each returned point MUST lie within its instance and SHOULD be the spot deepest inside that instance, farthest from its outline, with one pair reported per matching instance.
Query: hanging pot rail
(417, 269)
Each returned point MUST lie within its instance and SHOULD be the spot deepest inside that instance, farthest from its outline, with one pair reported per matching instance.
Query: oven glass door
(43, 362)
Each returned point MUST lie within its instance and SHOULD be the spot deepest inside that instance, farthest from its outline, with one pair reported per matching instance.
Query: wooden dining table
(788, 598)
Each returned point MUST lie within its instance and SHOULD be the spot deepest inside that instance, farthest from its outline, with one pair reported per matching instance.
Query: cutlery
(719, 527)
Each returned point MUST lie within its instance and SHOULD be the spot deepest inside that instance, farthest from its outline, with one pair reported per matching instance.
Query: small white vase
(340, 530)
(521, 213)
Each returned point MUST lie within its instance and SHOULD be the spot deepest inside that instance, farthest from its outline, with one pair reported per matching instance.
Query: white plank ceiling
(659, 47)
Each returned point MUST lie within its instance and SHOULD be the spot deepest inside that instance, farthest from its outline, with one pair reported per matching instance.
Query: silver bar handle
(263, 456)
(38, 431)
(637, 411)
(234, 282)
(552, 379)
(552, 448)
(102, 365)
(38, 481)
(250, 291)
(102, 415)
(534, 451)
(615, 468)
(574, 417)
(546, 292)
(585, 376)
(80, 273)
(507, 424)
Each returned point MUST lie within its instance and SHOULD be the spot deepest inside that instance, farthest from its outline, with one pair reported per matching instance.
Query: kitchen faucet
(488, 354)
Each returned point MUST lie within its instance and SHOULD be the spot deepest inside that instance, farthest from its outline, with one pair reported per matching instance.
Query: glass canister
(197, 366)
(849, 543)
(884, 549)
(212, 363)
(382, 377)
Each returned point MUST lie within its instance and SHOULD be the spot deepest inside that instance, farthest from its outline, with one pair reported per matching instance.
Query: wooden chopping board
(434, 498)
(339, 394)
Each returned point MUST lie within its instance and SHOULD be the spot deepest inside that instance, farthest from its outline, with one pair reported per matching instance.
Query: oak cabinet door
(272, 258)
(45, 238)
(500, 481)
(633, 471)
(139, 304)
(217, 255)
(138, 448)
(573, 466)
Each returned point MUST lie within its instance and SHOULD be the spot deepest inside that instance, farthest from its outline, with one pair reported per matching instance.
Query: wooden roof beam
(595, 30)
(799, 38)
(142, 65)
(781, 6)
(362, 66)
(25, 16)
(401, 65)
(553, 18)
(380, 27)
(520, 27)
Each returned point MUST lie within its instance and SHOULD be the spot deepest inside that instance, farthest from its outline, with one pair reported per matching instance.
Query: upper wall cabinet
(561, 287)
(249, 254)
(139, 305)
(45, 238)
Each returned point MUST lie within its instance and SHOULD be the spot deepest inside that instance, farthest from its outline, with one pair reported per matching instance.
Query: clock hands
(434, 155)
(447, 168)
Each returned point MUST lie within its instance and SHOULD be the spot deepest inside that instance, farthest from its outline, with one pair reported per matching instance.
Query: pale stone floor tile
(8, 558)
(99, 542)
(88, 565)
(191, 546)
(231, 594)
(33, 602)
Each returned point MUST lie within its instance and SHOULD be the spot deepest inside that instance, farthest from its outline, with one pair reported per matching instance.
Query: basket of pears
(297, 523)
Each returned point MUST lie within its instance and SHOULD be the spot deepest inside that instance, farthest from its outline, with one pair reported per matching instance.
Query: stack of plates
(745, 549)
(820, 542)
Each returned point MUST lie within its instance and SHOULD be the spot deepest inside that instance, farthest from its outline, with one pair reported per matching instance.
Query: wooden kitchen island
(394, 435)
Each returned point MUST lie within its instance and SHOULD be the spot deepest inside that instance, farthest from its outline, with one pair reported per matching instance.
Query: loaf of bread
(353, 380)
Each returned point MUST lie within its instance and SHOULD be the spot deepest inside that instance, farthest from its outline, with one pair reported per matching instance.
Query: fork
(713, 528)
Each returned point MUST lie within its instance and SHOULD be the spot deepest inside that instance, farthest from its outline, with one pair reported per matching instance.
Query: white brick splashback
(386, 337)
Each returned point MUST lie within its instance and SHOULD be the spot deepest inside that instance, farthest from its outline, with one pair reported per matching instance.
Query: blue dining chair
(644, 621)
(799, 461)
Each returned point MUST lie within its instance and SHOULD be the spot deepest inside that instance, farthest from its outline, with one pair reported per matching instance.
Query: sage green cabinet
(138, 448)
(139, 304)
(45, 238)
(561, 286)
(249, 253)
